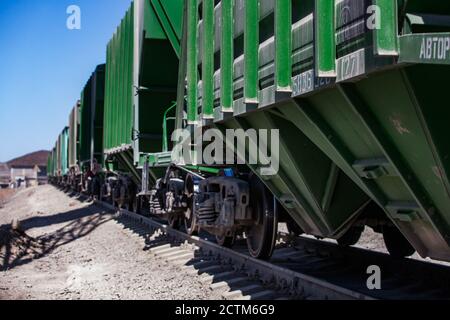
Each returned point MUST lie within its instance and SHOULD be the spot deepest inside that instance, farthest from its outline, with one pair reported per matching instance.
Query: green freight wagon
(357, 90)
(73, 149)
(57, 158)
(90, 133)
(54, 162)
(141, 84)
(62, 159)
(91, 120)
(50, 165)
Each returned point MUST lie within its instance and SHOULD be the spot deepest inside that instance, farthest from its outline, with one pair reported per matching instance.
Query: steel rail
(296, 283)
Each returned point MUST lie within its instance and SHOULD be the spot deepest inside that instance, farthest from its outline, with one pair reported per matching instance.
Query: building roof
(30, 160)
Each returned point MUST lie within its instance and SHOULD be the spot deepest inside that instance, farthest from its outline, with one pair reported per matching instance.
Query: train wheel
(262, 235)
(351, 237)
(397, 245)
(190, 219)
(227, 242)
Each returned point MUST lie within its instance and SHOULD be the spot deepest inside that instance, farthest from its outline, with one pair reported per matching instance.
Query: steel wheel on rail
(190, 218)
(262, 235)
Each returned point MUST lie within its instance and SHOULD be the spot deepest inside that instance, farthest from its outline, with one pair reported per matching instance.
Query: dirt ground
(74, 250)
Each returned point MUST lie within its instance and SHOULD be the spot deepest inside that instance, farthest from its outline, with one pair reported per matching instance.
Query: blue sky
(44, 66)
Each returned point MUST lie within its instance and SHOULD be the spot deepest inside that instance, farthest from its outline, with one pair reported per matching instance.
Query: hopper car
(355, 90)
(57, 164)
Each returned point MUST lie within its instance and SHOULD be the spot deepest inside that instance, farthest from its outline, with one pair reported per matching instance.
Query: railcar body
(91, 120)
(51, 162)
(73, 149)
(90, 132)
(61, 160)
(354, 88)
(141, 83)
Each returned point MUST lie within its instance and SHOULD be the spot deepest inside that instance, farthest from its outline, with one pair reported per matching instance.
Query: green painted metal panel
(63, 153)
(192, 70)
(119, 89)
(141, 80)
(91, 118)
(50, 164)
(128, 47)
(320, 198)
(325, 45)
(283, 47)
(208, 60)
(171, 18)
(251, 51)
(158, 77)
(385, 24)
(85, 120)
(74, 124)
(354, 124)
(226, 56)
(430, 48)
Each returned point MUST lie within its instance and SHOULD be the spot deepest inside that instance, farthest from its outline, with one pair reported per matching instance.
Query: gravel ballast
(78, 251)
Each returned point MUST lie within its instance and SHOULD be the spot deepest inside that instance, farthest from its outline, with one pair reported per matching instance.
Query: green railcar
(74, 177)
(74, 128)
(141, 82)
(62, 160)
(91, 113)
(50, 165)
(54, 162)
(357, 91)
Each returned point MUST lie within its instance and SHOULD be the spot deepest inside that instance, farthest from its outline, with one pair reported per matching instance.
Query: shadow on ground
(18, 248)
(217, 273)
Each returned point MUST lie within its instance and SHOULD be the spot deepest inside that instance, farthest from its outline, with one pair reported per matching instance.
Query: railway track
(301, 268)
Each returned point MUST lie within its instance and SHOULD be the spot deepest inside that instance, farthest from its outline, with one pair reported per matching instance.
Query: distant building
(5, 175)
(29, 170)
